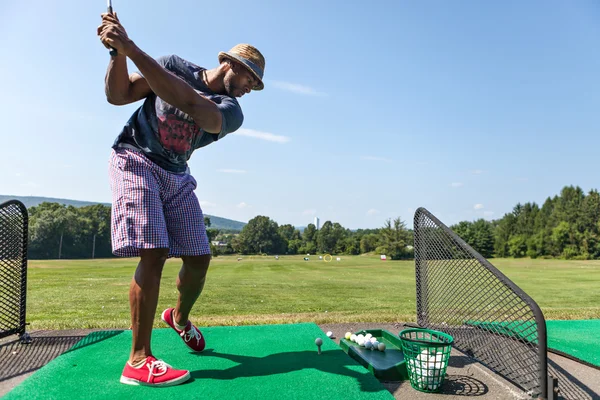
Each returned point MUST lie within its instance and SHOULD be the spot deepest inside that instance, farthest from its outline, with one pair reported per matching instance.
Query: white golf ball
(353, 338)
(373, 339)
(360, 341)
(381, 346)
(375, 345)
(424, 356)
(437, 358)
(368, 344)
(361, 336)
(329, 334)
(368, 336)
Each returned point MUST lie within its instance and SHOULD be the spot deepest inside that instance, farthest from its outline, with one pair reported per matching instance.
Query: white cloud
(372, 158)
(478, 206)
(243, 205)
(456, 184)
(204, 203)
(372, 211)
(309, 212)
(296, 88)
(232, 171)
(270, 137)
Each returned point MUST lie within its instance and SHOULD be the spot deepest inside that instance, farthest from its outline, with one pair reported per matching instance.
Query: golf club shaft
(113, 52)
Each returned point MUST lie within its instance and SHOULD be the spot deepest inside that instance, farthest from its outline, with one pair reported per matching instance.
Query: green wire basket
(426, 353)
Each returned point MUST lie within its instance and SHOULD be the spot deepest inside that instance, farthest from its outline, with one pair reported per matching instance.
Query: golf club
(113, 52)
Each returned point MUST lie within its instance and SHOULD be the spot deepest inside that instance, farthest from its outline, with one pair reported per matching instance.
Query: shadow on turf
(329, 361)
(19, 359)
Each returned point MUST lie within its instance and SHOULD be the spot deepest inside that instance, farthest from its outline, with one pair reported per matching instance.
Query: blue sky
(371, 109)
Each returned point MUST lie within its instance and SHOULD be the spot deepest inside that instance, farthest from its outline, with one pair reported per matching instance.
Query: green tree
(260, 235)
(291, 238)
(309, 240)
(393, 238)
(52, 231)
(326, 240)
(464, 229)
(483, 237)
(517, 246)
(339, 238)
(504, 229)
(369, 243)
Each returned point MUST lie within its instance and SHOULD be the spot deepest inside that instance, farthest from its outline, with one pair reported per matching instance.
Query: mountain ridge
(32, 201)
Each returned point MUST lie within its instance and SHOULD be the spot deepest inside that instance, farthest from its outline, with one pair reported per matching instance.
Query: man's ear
(227, 65)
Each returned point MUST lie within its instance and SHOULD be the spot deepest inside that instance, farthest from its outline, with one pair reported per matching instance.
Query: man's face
(238, 80)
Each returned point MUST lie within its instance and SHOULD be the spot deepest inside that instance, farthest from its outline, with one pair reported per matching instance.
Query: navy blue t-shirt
(168, 136)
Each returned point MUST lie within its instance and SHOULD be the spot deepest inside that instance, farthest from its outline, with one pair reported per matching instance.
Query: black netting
(491, 319)
(13, 267)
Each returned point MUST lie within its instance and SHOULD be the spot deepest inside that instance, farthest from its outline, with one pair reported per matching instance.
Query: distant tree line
(60, 231)
(263, 235)
(565, 226)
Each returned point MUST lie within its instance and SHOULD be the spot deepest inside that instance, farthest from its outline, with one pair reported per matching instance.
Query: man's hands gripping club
(112, 34)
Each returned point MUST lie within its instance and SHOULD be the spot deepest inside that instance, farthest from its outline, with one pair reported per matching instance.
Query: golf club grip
(113, 52)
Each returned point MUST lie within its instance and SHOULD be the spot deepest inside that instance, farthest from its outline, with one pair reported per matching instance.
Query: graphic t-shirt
(168, 136)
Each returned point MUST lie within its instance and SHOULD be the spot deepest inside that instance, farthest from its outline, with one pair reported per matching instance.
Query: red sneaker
(153, 373)
(190, 334)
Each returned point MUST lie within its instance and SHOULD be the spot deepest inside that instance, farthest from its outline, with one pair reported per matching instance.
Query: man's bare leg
(190, 283)
(143, 300)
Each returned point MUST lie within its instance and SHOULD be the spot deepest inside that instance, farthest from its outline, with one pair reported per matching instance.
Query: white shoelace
(157, 368)
(191, 334)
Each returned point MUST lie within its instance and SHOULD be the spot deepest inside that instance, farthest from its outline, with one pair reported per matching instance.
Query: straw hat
(250, 58)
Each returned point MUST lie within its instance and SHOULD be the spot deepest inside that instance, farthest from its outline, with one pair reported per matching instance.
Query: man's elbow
(112, 99)
(117, 101)
(210, 120)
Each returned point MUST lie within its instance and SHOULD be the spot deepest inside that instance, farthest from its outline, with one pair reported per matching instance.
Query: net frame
(501, 327)
(14, 224)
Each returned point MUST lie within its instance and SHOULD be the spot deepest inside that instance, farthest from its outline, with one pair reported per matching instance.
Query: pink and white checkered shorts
(153, 208)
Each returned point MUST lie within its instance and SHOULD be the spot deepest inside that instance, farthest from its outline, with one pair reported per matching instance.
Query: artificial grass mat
(577, 338)
(246, 362)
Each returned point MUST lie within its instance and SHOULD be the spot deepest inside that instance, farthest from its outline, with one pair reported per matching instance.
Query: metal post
(60, 245)
(552, 388)
(94, 246)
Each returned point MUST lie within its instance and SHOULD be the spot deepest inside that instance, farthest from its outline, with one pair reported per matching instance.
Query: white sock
(176, 324)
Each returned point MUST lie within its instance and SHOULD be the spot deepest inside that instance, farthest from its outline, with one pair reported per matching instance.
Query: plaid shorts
(153, 208)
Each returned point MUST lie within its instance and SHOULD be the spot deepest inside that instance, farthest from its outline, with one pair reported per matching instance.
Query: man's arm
(121, 88)
(177, 92)
(165, 85)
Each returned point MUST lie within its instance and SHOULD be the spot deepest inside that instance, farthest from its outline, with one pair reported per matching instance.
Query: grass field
(94, 293)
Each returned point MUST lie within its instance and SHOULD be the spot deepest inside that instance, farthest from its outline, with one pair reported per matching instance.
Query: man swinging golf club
(155, 213)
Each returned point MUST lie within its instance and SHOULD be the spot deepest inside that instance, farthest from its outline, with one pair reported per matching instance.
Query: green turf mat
(577, 338)
(247, 362)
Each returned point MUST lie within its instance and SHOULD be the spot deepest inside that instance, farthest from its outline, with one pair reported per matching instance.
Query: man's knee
(197, 263)
(149, 270)
(154, 257)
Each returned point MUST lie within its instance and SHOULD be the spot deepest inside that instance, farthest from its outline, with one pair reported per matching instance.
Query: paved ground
(466, 377)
